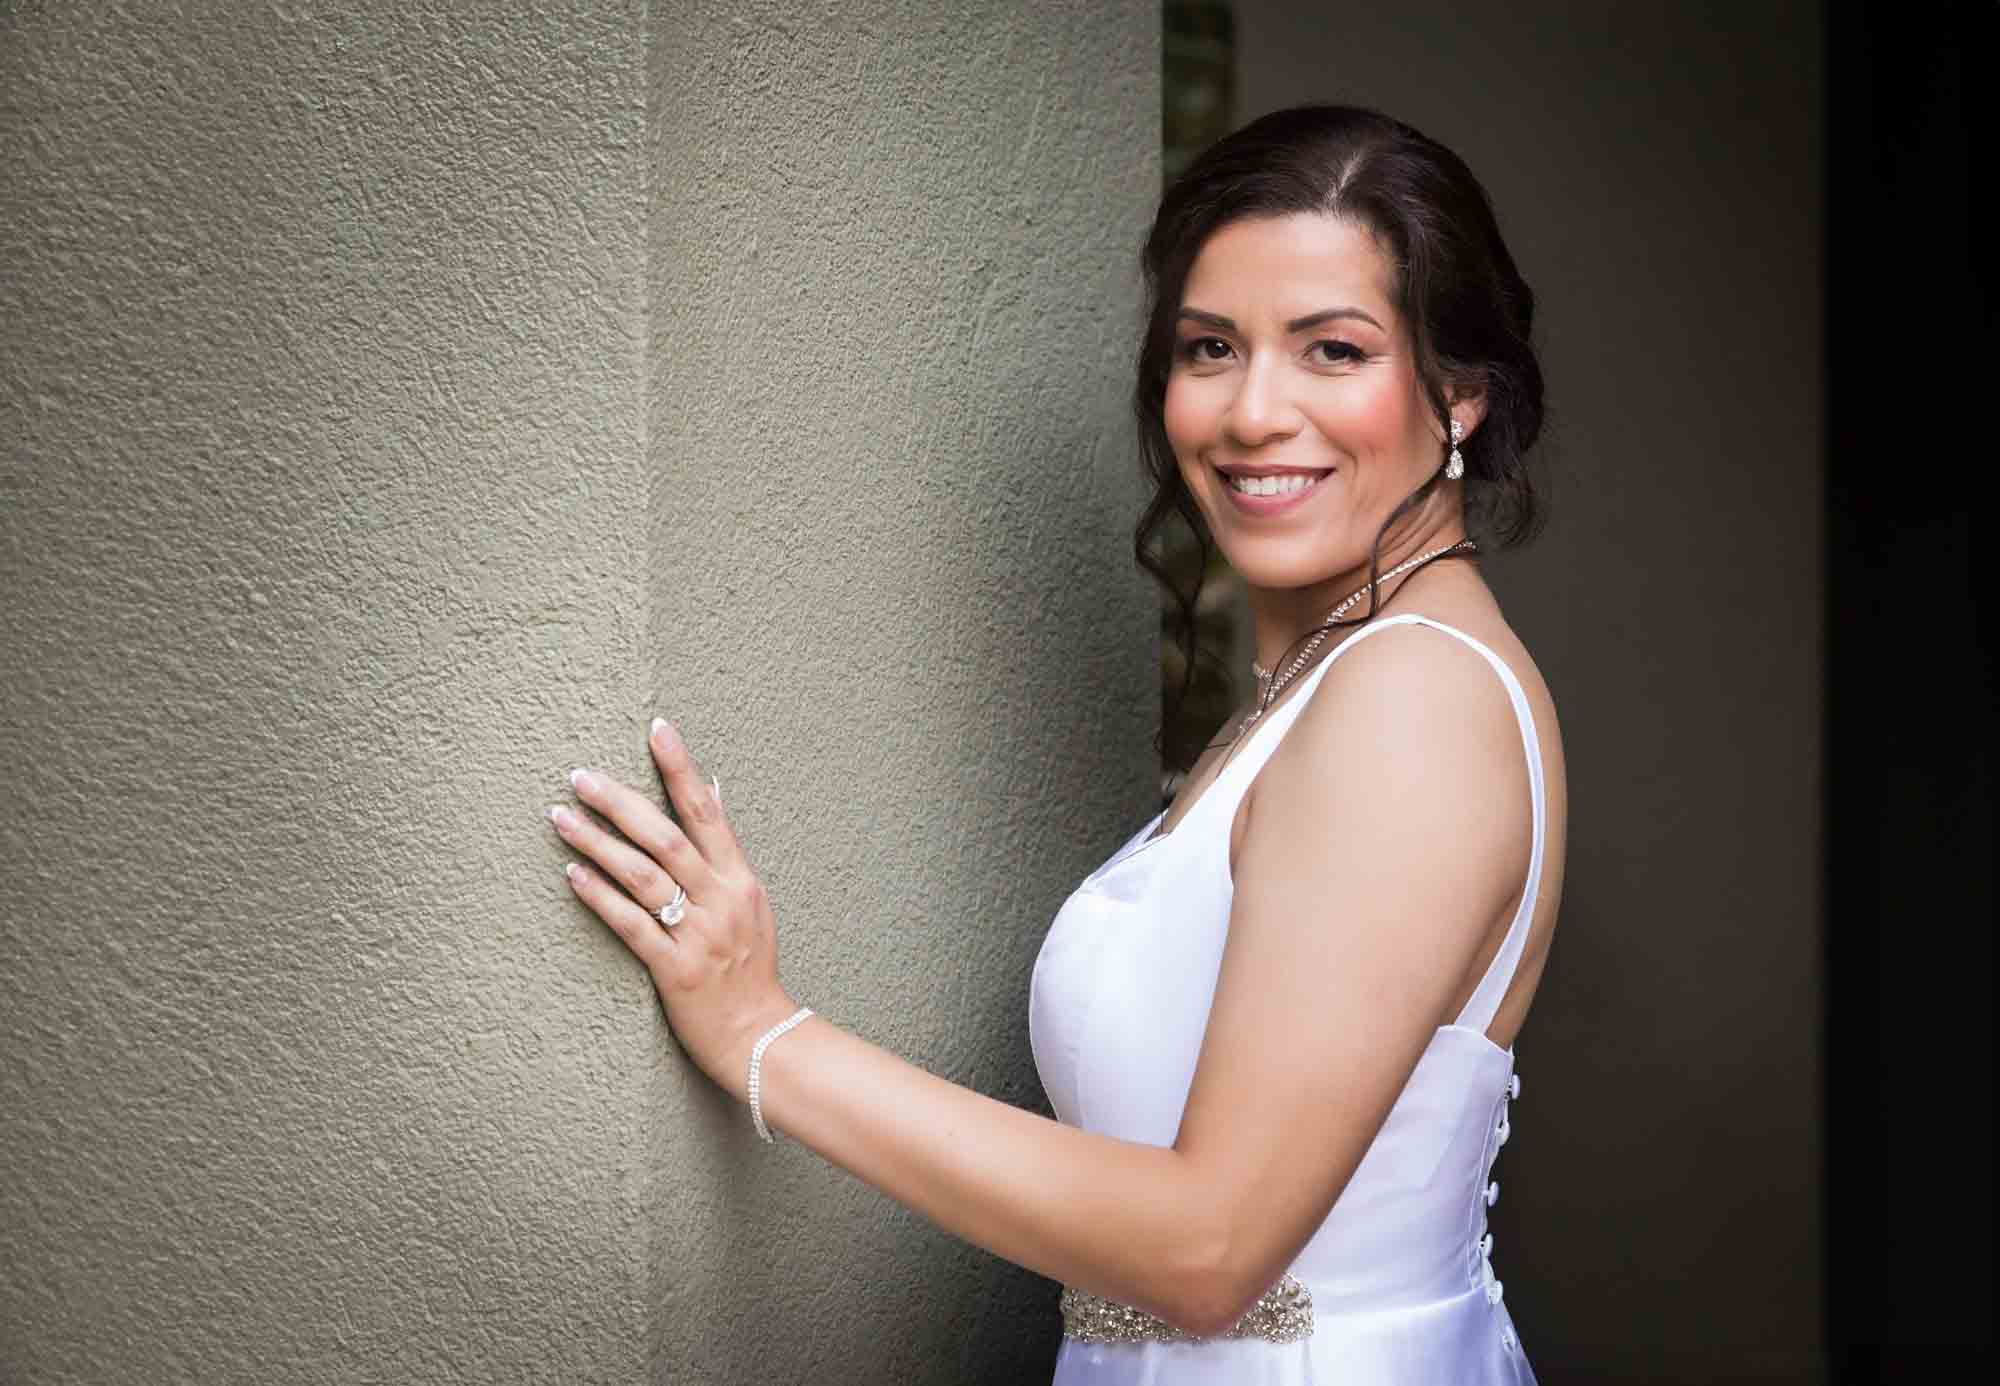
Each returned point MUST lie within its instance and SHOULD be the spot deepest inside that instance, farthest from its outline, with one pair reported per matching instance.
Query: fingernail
(659, 725)
(560, 816)
(583, 780)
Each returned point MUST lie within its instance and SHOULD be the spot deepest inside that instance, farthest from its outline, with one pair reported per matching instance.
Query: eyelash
(1342, 351)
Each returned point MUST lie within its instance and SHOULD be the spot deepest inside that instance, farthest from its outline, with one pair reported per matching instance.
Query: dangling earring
(1455, 467)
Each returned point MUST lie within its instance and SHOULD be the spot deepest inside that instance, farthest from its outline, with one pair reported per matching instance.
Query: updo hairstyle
(1467, 309)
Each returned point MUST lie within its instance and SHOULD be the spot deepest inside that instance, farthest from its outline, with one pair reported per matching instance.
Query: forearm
(1116, 1218)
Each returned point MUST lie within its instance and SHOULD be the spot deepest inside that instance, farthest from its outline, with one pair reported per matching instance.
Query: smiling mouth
(1283, 484)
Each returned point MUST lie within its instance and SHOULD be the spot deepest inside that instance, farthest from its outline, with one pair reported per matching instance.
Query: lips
(1270, 483)
(1268, 490)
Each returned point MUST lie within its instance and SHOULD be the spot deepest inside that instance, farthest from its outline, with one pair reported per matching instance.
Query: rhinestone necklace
(1269, 688)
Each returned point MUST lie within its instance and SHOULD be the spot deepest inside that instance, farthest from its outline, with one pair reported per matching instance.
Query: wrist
(761, 1070)
(735, 1077)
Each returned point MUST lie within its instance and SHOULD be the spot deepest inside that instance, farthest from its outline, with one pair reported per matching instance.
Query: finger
(649, 940)
(648, 827)
(644, 879)
(698, 800)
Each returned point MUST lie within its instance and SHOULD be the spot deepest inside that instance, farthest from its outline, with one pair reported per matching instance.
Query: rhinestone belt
(1282, 1314)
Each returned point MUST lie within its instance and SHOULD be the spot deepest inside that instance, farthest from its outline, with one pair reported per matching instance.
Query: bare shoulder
(1411, 699)
(1401, 790)
(1416, 666)
(1416, 725)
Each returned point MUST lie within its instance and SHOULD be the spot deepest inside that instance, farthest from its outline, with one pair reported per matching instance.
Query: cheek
(1370, 421)
(1381, 425)
(1188, 418)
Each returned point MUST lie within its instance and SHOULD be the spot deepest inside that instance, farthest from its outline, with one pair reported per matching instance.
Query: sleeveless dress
(1400, 1272)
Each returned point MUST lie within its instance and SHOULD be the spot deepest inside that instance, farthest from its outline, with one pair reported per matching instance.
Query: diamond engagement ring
(671, 912)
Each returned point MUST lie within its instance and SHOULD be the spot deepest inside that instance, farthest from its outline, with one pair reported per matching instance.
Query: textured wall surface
(1656, 169)
(894, 288)
(401, 404)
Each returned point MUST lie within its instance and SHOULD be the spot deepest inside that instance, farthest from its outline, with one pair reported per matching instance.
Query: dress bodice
(1400, 1272)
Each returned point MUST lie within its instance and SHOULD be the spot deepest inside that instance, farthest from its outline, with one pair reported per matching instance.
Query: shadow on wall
(1198, 107)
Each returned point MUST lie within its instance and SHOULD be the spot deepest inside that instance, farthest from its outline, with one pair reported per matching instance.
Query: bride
(1277, 1025)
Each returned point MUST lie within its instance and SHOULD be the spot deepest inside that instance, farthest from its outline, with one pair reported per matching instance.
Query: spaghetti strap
(1492, 989)
(1228, 786)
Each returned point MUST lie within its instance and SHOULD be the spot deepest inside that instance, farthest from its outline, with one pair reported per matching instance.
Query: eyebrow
(1216, 320)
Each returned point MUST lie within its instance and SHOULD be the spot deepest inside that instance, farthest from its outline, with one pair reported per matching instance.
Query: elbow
(1204, 1323)
(1210, 1311)
(1208, 1293)
(1215, 1311)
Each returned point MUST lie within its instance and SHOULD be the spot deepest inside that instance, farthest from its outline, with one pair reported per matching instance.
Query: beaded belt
(1282, 1314)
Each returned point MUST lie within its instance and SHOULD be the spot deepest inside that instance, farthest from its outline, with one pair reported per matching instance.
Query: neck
(1281, 616)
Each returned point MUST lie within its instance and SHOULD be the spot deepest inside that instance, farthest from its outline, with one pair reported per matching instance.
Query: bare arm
(1382, 798)
(1386, 838)
(1115, 1218)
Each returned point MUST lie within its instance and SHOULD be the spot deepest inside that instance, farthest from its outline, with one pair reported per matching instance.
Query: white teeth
(1271, 485)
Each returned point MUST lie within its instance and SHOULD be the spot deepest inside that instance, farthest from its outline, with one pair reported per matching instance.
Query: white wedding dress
(1400, 1273)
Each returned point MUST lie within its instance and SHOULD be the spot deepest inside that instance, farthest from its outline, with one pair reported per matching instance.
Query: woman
(1276, 1025)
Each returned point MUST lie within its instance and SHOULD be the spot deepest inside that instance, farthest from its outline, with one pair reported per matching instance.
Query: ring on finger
(672, 912)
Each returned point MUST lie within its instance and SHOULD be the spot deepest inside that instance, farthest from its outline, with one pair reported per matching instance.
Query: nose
(1262, 410)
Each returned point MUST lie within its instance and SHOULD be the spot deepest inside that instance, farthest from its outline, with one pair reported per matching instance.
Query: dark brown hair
(1469, 314)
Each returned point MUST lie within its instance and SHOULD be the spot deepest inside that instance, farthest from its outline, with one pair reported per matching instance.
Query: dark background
(1909, 811)
(1763, 1146)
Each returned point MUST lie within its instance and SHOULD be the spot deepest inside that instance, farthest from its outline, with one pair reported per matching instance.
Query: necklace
(1268, 687)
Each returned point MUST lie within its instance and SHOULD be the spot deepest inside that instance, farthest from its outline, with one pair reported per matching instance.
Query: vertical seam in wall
(652, 1295)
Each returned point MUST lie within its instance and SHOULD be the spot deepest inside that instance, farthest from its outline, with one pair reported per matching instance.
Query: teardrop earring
(1455, 467)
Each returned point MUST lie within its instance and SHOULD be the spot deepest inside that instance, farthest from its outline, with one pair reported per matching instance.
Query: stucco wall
(401, 405)
(894, 287)
(1656, 169)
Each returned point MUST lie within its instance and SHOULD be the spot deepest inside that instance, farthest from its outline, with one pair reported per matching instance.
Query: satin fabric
(1401, 1277)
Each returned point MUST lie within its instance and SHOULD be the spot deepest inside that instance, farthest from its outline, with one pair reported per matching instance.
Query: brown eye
(1336, 352)
(1199, 349)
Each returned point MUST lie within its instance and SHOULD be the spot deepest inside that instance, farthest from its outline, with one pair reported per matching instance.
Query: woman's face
(1292, 377)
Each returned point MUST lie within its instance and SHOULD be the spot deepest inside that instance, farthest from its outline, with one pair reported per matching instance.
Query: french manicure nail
(583, 780)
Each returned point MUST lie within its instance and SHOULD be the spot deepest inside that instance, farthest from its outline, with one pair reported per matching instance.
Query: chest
(1123, 984)
(1198, 788)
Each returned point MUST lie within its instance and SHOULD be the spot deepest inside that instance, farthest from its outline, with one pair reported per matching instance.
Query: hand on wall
(691, 908)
